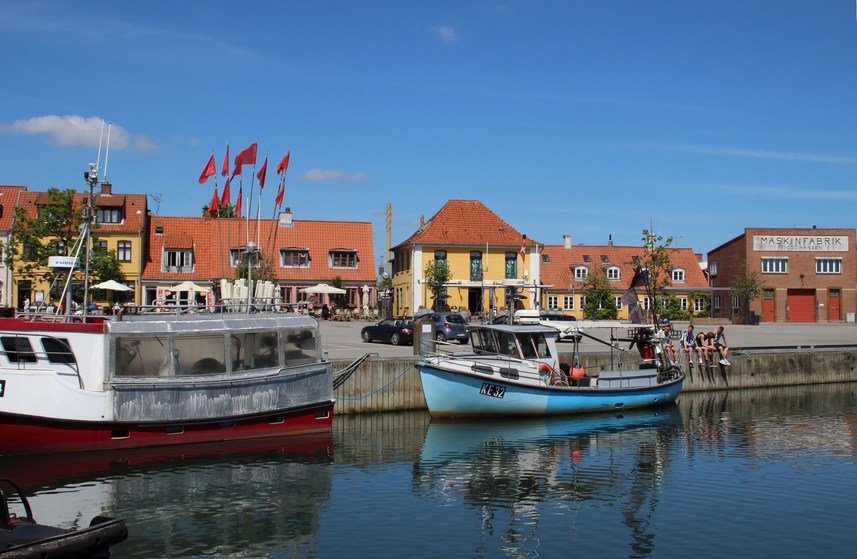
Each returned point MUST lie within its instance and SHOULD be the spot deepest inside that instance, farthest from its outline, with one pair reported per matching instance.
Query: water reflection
(719, 474)
(506, 470)
(241, 498)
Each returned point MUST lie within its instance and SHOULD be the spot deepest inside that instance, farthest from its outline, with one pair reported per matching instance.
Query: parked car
(391, 330)
(448, 326)
(560, 317)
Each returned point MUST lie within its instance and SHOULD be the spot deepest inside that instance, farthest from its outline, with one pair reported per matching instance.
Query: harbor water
(761, 472)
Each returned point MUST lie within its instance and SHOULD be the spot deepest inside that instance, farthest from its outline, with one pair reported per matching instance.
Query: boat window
(58, 350)
(200, 355)
(300, 346)
(488, 343)
(18, 349)
(254, 350)
(141, 356)
(528, 347)
(506, 343)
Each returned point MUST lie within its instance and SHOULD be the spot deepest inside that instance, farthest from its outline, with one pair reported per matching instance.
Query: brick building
(808, 274)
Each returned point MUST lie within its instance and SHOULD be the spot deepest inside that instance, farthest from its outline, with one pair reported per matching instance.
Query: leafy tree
(435, 275)
(263, 271)
(747, 287)
(657, 264)
(222, 211)
(600, 302)
(53, 231)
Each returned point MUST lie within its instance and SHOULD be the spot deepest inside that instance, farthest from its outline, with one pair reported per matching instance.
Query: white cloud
(446, 34)
(321, 175)
(74, 131)
(762, 154)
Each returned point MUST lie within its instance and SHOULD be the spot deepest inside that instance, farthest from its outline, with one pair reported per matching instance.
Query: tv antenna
(157, 198)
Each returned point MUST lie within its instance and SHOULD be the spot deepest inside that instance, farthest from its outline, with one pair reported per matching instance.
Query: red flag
(262, 172)
(238, 202)
(246, 156)
(225, 170)
(281, 192)
(212, 206)
(523, 252)
(226, 198)
(208, 171)
(283, 165)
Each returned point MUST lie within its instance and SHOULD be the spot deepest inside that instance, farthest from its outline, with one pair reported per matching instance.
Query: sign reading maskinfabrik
(800, 243)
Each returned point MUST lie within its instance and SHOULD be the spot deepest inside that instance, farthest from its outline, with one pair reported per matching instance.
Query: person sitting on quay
(719, 342)
(703, 348)
(669, 348)
(688, 344)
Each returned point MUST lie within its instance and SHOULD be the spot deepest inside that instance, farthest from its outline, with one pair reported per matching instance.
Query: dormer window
(177, 260)
(612, 273)
(677, 275)
(580, 272)
(340, 258)
(108, 215)
(294, 258)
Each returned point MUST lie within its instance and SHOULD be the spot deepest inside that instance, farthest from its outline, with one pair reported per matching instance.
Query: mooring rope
(380, 389)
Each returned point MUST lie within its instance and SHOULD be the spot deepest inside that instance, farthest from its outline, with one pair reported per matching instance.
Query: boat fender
(577, 373)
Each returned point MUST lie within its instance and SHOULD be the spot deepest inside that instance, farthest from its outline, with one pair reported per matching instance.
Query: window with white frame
(698, 304)
(294, 258)
(580, 272)
(553, 303)
(712, 268)
(736, 302)
(716, 301)
(682, 302)
(828, 265)
(612, 273)
(618, 302)
(582, 301)
(678, 275)
(646, 303)
(177, 260)
(568, 302)
(772, 265)
(343, 258)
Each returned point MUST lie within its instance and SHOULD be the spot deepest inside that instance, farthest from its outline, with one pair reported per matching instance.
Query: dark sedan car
(394, 331)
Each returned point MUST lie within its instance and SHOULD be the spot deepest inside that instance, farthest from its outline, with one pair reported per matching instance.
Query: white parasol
(323, 288)
(112, 285)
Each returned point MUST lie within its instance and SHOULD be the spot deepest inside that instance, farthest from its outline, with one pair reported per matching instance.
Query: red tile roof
(8, 201)
(134, 204)
(211, 240)
(466, 223)
(557, 270)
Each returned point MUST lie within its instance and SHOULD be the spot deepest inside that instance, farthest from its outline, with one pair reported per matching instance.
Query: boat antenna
(98, 155)
(107, 151)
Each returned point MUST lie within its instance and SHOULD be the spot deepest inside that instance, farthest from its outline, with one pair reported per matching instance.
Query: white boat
(160, 379)
(514, 370)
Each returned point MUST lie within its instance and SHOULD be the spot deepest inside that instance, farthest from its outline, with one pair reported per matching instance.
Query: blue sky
(588, 118)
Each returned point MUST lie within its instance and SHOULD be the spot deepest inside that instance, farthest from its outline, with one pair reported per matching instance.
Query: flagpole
(274, 220)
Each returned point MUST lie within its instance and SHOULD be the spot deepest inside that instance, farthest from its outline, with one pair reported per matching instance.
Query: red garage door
(801, 304)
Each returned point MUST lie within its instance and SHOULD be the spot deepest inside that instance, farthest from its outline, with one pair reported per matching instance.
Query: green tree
(747, 287)
(222, 211)
(658, 267)
(53, 231)
(600, 301)
(435, 275)
(262, 269)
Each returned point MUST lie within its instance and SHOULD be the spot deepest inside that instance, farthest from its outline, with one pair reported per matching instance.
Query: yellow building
(484, 255)
(120, 226)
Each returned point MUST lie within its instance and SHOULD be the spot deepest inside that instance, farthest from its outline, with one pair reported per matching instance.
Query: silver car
(450, 326)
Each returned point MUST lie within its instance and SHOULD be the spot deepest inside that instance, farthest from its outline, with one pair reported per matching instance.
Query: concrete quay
(767, 355)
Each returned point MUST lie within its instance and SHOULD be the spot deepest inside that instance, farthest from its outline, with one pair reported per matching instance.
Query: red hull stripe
(23, 435)
(18, 324)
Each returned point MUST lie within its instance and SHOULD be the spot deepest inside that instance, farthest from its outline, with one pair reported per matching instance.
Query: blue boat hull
(455, 394)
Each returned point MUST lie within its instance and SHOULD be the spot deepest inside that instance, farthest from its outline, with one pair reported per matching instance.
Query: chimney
(106, 188)
(286, 218)
(566, 242)
(610, 240)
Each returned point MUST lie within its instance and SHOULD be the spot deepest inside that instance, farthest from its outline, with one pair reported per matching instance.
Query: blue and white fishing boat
(514, 370)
